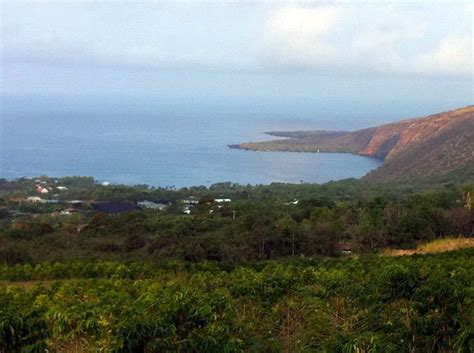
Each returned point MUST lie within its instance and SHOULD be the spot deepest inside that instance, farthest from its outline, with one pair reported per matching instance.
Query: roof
(114, 207)
(35, 198)
(152, 204)
(222, 200)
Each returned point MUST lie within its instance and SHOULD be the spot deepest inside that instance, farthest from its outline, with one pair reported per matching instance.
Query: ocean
(167, 144)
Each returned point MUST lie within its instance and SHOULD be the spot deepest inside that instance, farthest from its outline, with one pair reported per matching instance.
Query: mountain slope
(433, 145)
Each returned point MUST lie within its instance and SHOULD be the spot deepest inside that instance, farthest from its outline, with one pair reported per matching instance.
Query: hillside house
(35, 199)
(222, 200)
(191, 201)
(114, 207)
(41, 189)
(152, 205)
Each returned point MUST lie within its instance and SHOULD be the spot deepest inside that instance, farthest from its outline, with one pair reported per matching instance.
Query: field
(420, 303)
(435, 246)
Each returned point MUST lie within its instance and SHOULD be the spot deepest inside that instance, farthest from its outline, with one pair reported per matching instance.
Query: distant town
(42, 197)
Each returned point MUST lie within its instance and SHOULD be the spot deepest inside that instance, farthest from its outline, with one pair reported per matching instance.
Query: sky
(370, 51)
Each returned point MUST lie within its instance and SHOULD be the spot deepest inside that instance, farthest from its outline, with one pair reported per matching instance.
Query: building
(114, 207)
(222, 200)
(35, 199)
(191, 201)
(70, 211)
(52, 201)
(42, 190)
(187, 209)
(77, 204)
(152, 205)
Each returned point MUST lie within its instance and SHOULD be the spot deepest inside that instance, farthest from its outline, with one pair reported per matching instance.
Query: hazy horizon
(204, 51)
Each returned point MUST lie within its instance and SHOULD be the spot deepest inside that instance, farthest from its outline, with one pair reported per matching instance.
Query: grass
(435, 246)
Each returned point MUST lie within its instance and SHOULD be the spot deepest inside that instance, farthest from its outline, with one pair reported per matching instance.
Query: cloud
(375, 45)
(342, 38)
(400, 40)
(453, 56)
(298, 34)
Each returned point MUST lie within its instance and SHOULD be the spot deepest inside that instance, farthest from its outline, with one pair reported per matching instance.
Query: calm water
(170, 145)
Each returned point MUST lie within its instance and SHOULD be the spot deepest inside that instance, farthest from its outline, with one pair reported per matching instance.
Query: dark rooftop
(114, 207)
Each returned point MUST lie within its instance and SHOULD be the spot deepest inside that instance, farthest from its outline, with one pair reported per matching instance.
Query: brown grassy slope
(435, 246)
(432, 146)
(314, 141)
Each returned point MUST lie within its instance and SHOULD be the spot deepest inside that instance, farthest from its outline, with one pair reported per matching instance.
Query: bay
(168, 145)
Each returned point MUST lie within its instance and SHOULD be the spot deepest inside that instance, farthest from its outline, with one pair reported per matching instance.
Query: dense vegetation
(371, 304)
(262, 273)
(260, 222)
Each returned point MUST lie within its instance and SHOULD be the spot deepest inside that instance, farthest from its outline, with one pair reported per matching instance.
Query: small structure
(191, 201)
(52, 201)
(70, 211)
(294, 202)
(344, 248)
(77, 204)
(61, 188)
(35, 199)
(187, 209)
(114, 207)
(222, 200)
(42, 190)
(152, 205)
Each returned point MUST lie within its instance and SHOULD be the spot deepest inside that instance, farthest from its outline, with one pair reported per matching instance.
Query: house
(152, 205)
(70, 211)
(344, 248)
(191, 201)
(35, 199)
(42, 190)
(294, 202)
(52, 201)
(187, 209)
(77, 204)
(114, 207)
(222, 200)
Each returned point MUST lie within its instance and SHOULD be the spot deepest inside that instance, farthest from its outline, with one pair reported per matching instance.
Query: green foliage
(161, 281)
(374, 304)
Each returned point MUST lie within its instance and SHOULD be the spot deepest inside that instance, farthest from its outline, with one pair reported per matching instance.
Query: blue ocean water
(173, 144)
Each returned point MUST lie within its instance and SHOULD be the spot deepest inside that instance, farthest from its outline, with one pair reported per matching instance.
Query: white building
(35, 199)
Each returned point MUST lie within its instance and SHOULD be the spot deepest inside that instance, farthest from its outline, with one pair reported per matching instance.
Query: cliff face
(436, 144)
(384, 139)
(431, 146)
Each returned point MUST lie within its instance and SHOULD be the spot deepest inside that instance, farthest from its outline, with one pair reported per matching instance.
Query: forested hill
(432, 145)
